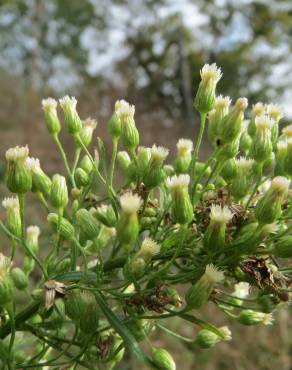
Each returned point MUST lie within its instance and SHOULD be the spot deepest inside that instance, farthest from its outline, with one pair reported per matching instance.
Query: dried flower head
(52, 288)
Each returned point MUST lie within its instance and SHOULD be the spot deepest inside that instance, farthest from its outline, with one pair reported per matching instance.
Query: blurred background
(148, 52)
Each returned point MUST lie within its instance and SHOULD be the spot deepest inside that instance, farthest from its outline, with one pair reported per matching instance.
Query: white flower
(33, 164)
(241, 290)
(274, 111)
(89, 124)
(68, 104)
(258, 109)
(184, 146)
(33, 232)
(19, 153)
(159, 153)
(149, 247)
(210, 73)
(280, 184)
(244, 164)
(177, 182)
(5, 264)
(268, 319)
(270, 228)
(263, 123)
(49, 104)
(10, 203)
(222, 103)
(219, 214)
(130, 202)
(241, 104)
(213, 275)
(287, 131)
(124, 110)
(226, 332)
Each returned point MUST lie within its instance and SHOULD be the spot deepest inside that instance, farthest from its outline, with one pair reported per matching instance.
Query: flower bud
(40, 181)
(262, 146)
(105, 235)
(207, 339)
(215, 117)
(163, 359)
(241, 291)
(241, 183)
(183, 156)
(86, 132)
(134, 269)
(32, 236)
(67, 231)
(275, 113)
(148, 249)
(13, 220)
(106, 215)
(181, 208)
(128, 226)
(49, 106)
(81, 177)
(200, 169)
(288, 158)
(143, 159)
(214, 238)
(231, 125)
(6, 283)
(205, 97)
(19, 278)
(267, 303)
(139, 328)
(155, 174)
(130, 135)
(264, 212)
(73, 305)
(89, 315)
(28, 265)
(199, 293)
(281, 152)
(73, 122)
(229, 150)
(250, 317)
(114, 124)
(86, 164)
(59, 192)
(245, 142)
(257, 110)
(18, 175)
(229, 170)
(124, 162)
(89, 226)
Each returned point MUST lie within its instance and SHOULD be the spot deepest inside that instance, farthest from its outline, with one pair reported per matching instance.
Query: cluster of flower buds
(113, 259)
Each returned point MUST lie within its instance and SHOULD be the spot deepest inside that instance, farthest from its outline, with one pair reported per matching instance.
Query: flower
(130, 202)
(184, 146)
(159, 153)
(10, 203)
(263, 123)
(244, 164)
(287, 131)
(220, 214)
(49, 104)
(177, 182)
(5, 264)
(226, 332)
(258, 109)
(241, 104)
(17, 154)
(210, 73)
(280, 184)
(149, 248)
(124, 110)
(68, 104)
(212, 275)
(274, 111)
(241, 290)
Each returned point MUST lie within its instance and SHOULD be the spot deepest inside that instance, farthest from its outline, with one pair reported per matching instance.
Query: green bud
(262, 146)
(163, 359)
(89, 315)
(106, 215)
(18, 174)
(200, 169)
(207, 339)
(139, 328)
(155, 174)
(182, 209)
(105, 235)
(267, 303)
(283, 247)
(274, 196)
(28, 265)
(129, 133)
(59, 192)
(124, 162)
(115, 126)
(49, 106)
(56, 267)
(134, 269)
(73, 305)
(241, 183)
(229, 171)
(13, 220)
(250, 317)
(214, 238)
(89, 226)
(231, 125)
(199, 293)
(6, 283)
(67, 231)
(245, 142)
(215, 117)
(81, 177)
(229, 150)
(73, 122)
(183, 156)
(19, 278)
(40, 181)
(86, 164)
(205, 97)
(128, 226)
(281, 153)
(257, 110)
(143, 159)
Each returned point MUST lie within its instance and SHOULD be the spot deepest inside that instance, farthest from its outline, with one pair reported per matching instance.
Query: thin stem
(76, 160)
(64, 157)
(175, 335)
(113, 160)
(198, 143)
(10, 310)
(256, 186)
(21, 211)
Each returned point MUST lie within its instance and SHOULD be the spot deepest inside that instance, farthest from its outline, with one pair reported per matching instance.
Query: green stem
(256, 186)
(64, 157)
(21, 211)
(76, 160)
(175, 335)
(10, 310)
(113, 160)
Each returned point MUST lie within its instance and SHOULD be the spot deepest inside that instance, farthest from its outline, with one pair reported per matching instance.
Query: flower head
(213, 275)
(149, 247)
(241, 104)
(274, 111)
(263, 123)
(226, 332)
(241, 290)
(124, 110)
(178, 182)
(10, 203)
(244, 164)
(210, 73)
(49, 104)
(220, 214)
(159, 153)
(222, 104)
(130, 202)
(184, 146)
(287, 131)
(68, 104)
(280, 184)
(5, 264)
(89, 124)
(33, 232)
(258, 109)
(33, 164)
(17, 154)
